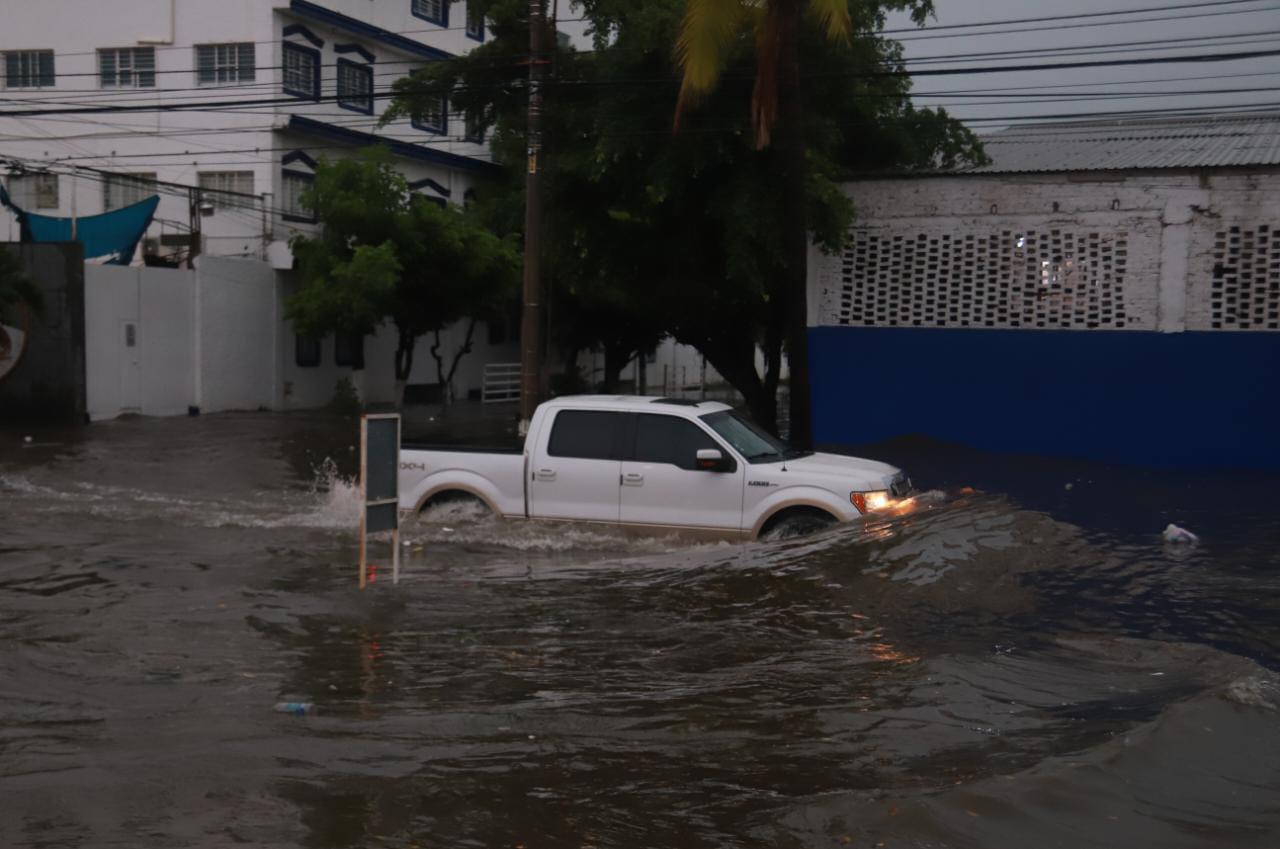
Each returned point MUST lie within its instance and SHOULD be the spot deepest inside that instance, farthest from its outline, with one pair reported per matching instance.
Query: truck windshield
(747, 438)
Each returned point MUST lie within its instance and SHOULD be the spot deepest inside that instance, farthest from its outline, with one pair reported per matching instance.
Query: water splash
(335, 500)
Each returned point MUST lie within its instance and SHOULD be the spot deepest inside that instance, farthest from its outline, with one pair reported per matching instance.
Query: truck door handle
(633, 479)
(545, 474)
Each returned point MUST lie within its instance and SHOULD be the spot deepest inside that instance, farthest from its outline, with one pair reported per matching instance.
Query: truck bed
(493, 474)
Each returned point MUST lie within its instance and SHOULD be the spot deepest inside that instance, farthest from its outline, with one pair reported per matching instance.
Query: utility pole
(531, 315)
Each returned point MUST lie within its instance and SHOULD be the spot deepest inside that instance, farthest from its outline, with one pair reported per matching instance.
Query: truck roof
(636, 403)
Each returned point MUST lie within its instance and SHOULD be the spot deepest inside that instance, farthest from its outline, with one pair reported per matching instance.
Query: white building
(107, 103)
(1106, 289)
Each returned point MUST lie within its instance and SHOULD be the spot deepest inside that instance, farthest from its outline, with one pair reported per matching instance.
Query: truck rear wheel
(454, 505)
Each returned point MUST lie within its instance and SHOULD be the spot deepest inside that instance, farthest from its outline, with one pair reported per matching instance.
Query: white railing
(501, 383)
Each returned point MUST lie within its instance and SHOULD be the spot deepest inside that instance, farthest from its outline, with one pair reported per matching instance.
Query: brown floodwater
(1026, 665)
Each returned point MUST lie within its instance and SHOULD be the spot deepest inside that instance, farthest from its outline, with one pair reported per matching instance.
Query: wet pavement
(1024, 665)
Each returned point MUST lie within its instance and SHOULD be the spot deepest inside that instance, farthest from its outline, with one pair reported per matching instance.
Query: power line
(125, 131)
(215, 93)
(885, 73)
(1180, 112)
(1115, 47)
(277, 40)
(1077, 16)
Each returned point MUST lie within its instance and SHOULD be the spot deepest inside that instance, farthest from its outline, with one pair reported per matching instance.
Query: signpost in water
(379, 489)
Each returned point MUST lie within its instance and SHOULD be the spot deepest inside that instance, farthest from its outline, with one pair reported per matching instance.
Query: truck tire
(453, 505)
(796, 522)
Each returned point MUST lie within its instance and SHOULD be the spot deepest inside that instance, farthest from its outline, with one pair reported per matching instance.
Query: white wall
(166, 299)
(1171, 222)
(237, 334)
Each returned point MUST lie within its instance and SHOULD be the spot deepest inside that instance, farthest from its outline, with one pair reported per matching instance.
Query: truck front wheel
(796, 522)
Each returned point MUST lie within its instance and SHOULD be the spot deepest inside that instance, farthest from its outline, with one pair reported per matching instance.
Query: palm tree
(709, 34)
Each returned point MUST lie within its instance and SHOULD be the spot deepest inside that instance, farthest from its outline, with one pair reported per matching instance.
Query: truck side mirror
(712, 460)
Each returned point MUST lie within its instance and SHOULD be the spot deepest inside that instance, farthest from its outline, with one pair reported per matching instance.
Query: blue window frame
(355, 87)
(301, 71)
(435, 11)
(436, 121)
(475, 22)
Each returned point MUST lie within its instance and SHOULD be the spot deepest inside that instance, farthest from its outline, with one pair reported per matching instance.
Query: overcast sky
(985, 99)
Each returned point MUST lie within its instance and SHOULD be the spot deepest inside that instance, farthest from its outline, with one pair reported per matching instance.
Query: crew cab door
(663, 485)
(575, 470)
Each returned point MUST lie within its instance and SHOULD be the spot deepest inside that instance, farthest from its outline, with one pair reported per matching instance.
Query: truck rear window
(586, 434)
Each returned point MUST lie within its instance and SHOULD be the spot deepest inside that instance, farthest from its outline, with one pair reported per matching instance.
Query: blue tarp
(113, 234)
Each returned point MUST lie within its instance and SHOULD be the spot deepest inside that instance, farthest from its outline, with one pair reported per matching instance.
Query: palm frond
(707, 35)
(833, 17)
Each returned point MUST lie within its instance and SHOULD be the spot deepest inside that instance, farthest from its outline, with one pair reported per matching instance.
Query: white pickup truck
(662, 464)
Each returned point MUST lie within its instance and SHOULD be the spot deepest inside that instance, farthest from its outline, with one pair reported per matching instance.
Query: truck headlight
(870, 502)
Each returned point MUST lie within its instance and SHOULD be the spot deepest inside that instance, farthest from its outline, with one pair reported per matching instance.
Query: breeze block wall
(1127, 317)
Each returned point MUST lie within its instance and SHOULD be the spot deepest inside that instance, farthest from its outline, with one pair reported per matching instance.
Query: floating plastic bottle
(1179, 536)
(295, 708)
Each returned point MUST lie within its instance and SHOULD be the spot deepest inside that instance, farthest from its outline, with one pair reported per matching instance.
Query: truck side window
(667, 439)
(586, 434)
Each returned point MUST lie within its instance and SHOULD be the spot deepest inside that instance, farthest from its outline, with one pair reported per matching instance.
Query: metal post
(74, 181)
(395, 556)
(531, 318)
(364, 510)
(193, 222)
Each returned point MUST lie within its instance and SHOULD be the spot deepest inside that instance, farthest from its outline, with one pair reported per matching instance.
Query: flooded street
(1028, 664)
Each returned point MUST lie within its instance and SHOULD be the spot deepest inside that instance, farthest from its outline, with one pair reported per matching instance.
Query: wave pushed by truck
(656, 464)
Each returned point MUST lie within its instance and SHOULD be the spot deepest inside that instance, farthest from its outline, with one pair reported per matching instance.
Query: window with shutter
(293, 184)
(435, 11)
(436, 120)
(355, 87)
(34, 191)
(28, 69)
(475, 22)
(226, 189)
(219, 64)
(301, 71)
(120, 190)
(127, 67)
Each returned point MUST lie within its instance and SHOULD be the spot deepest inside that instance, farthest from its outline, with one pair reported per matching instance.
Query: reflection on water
(971, 674)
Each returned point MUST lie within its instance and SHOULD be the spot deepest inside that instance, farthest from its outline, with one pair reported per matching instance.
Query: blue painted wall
(1190, 400)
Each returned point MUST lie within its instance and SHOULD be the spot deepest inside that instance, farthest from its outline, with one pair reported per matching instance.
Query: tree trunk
(616, 358)
(446, 378)
(774, 332)
(571, 381)
(446, 395)
(791, 154)
(462, 351)
(403, 363)
(737, 364)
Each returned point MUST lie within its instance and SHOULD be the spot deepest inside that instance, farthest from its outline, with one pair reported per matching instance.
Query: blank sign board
(382, 458)
(379, 486)
(381, 517)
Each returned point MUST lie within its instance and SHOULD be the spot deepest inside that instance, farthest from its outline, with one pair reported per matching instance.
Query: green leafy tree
(692, 234)
(384, 253)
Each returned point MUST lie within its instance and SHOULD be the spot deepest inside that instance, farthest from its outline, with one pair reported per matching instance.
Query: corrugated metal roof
(1116, 144)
